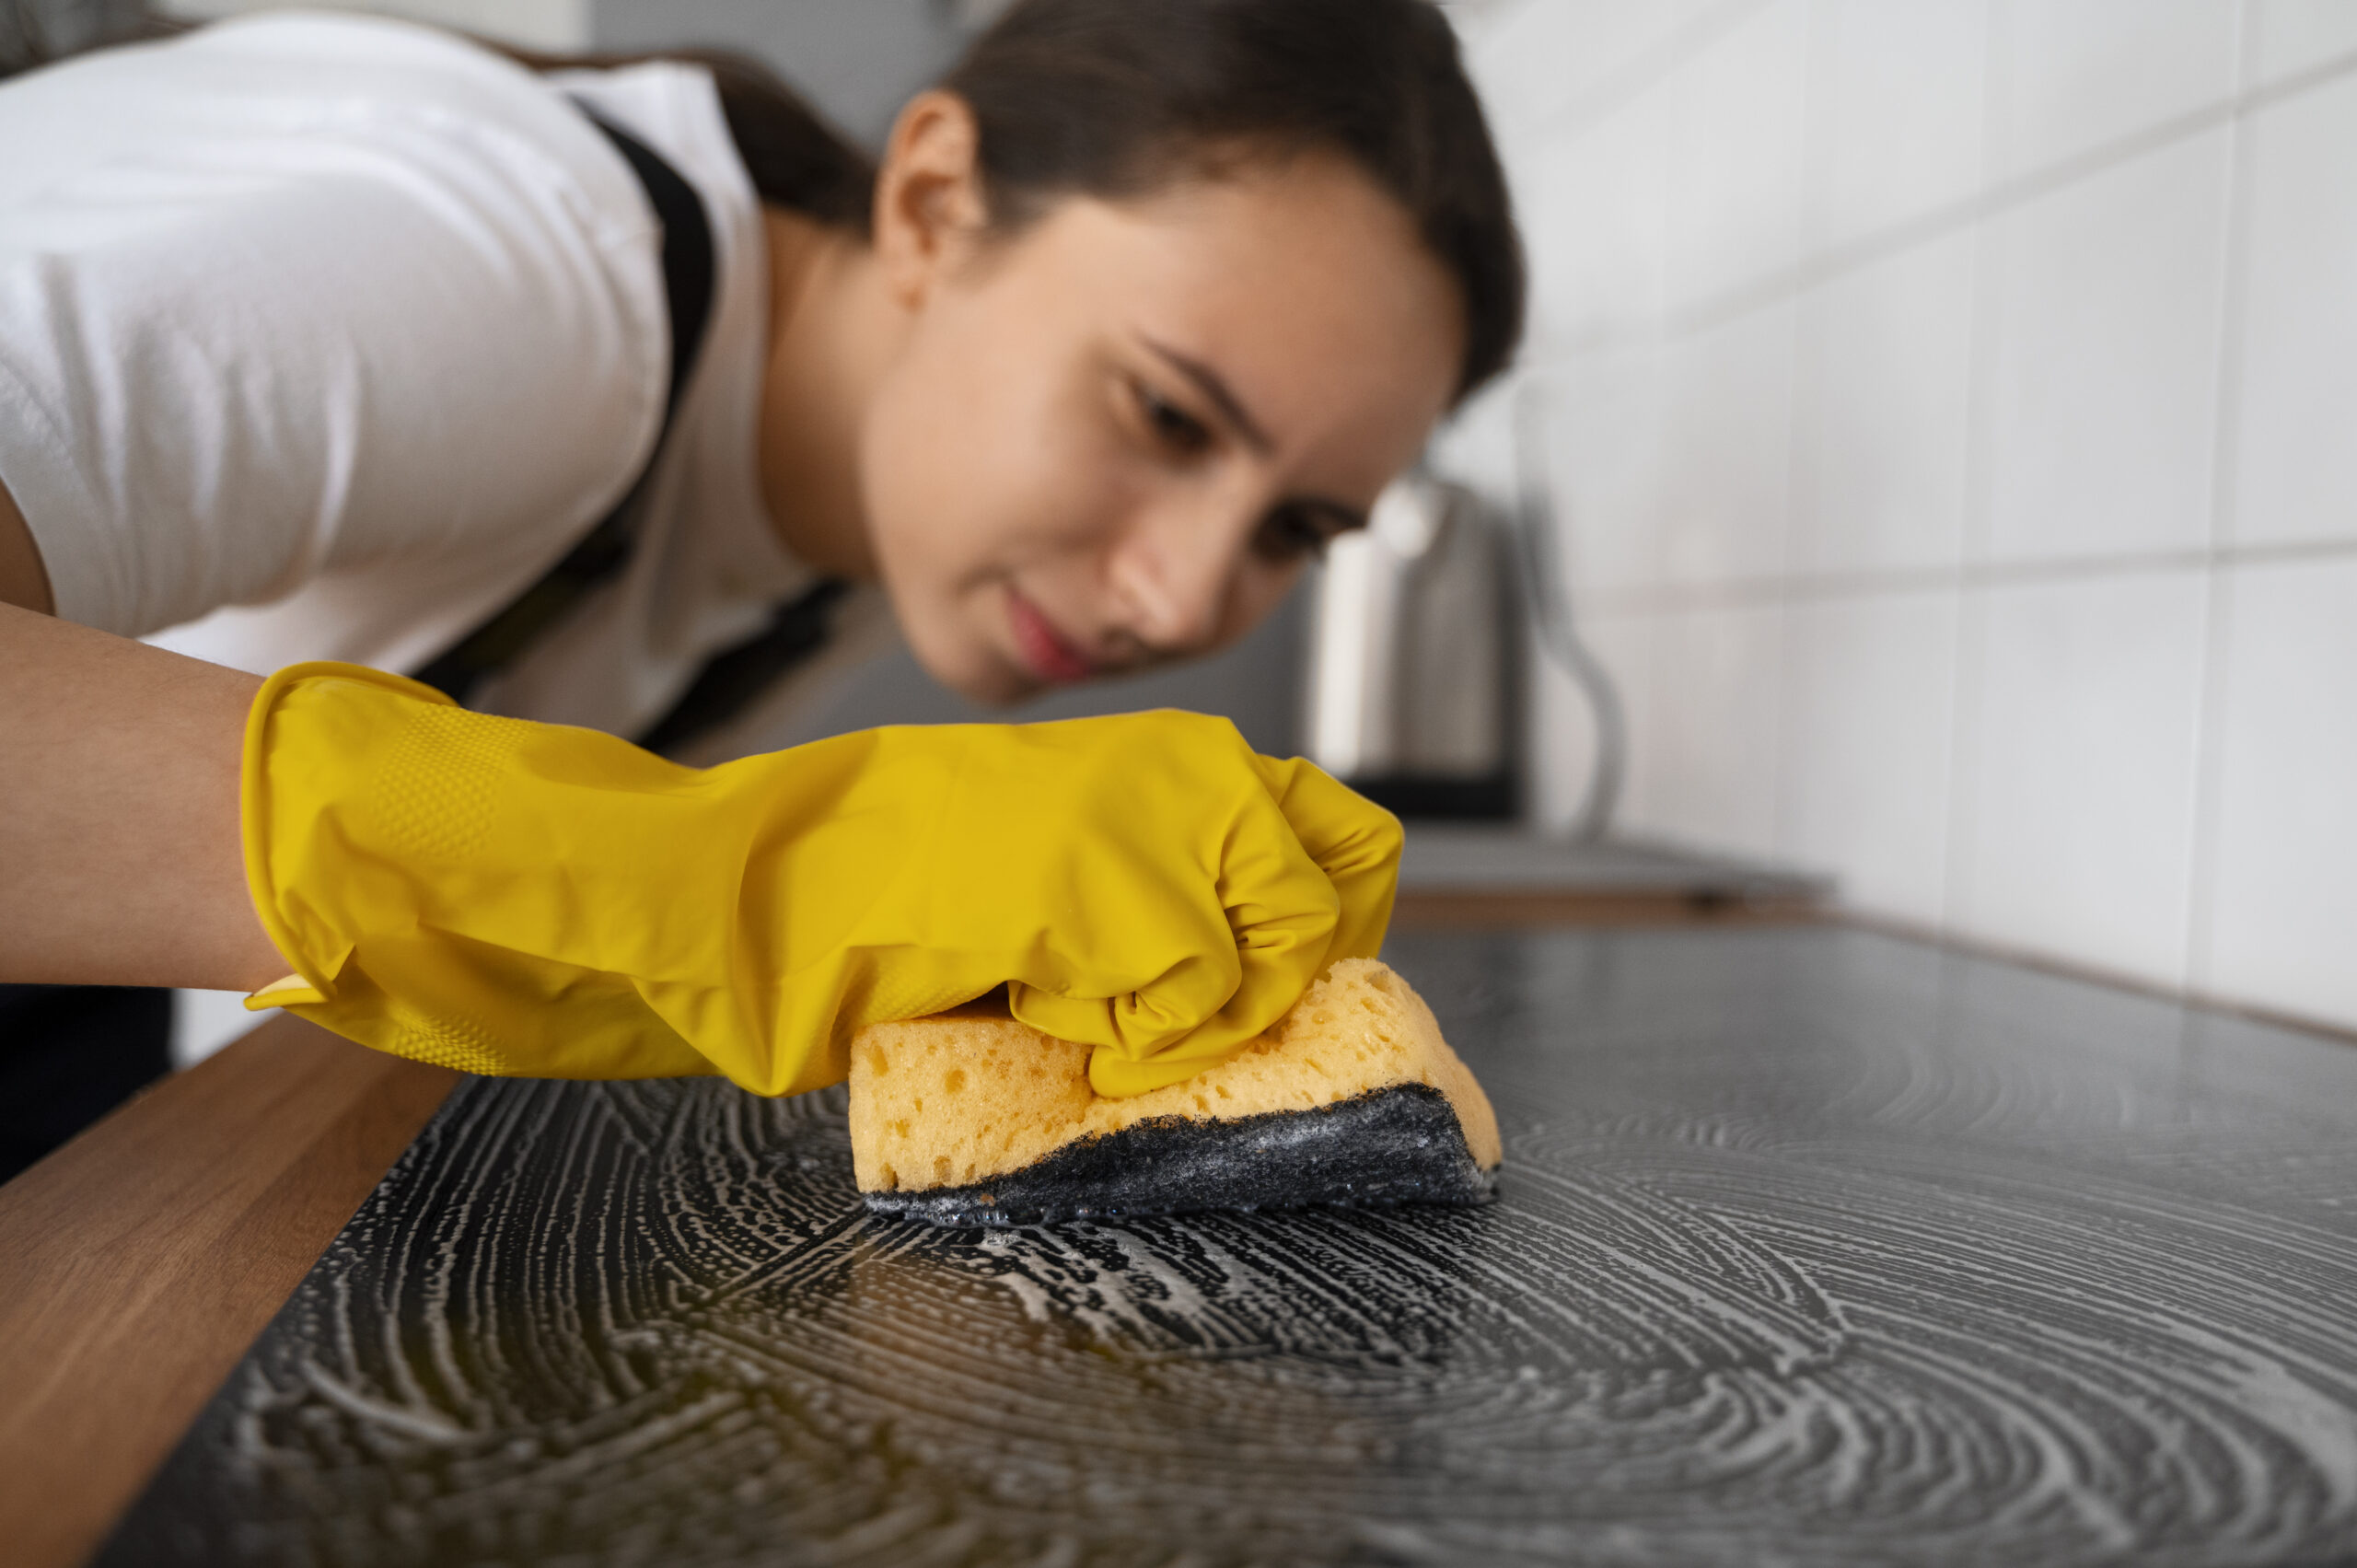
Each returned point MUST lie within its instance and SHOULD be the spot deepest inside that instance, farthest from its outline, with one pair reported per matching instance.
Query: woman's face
(1115, 439)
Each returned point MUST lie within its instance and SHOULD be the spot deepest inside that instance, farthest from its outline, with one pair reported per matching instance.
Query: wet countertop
(1815, 1245)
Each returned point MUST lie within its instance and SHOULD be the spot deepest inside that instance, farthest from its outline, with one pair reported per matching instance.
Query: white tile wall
(1609, 463)
(1706, 747)
(2105, 297)
(1869, 683)
(1597, 200)
(1897, 103)
(1951, 405)
(2088, 704)
(2074, 75)
(2300, 35)
(2295, 462)
(2283, 929)
(1727, 469)
(1552, 60)
(1736, 155)
(1879, 437)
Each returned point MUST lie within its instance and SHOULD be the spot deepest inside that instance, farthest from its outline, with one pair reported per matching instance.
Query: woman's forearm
(119, 860)
(23, 580)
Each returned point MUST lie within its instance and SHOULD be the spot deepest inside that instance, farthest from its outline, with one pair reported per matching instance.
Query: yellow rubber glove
(527, 898)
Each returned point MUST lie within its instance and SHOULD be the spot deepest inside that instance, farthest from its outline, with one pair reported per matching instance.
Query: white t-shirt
(322, 337)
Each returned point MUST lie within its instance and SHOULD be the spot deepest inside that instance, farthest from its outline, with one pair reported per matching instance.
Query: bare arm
(119, 862)
(23, 579)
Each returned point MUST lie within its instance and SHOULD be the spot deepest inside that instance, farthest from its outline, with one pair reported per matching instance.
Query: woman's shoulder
(431, 281)
(281, 90)
(674, 108)
(329, 37)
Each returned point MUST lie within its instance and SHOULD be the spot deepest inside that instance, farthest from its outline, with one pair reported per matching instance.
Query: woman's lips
(1051, 656)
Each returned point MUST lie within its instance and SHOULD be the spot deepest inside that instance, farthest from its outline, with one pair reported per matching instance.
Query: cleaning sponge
(971, 1118)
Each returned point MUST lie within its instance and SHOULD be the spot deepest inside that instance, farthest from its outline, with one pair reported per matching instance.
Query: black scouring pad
(1352, 1099)
(1397, 1145)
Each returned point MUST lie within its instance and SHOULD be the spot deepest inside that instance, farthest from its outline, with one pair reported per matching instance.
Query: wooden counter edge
(140, 1260)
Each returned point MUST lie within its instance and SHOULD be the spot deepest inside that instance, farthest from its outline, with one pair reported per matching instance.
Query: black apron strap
(688, 280)
(733, 677)
(71, 1053)
(732, 680)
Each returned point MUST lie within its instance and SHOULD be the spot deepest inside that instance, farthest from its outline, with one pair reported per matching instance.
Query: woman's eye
(1172, 425)
(1290, 534)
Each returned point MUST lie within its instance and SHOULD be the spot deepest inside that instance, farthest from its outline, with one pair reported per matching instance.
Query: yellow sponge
(1353, 1097)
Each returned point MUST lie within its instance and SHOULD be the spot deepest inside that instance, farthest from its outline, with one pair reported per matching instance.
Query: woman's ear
(930, 211)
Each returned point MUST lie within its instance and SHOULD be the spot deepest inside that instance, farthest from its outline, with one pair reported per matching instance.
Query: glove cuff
(314, 972)
(434, 879)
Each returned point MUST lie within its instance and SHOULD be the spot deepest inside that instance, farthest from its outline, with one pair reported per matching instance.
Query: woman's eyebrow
(1208, 382)
(1214, 388)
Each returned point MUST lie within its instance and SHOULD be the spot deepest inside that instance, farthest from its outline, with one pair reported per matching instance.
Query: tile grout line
(1942, 222)
(1961, 819)
(1804, 348)
(2217, 621)
(1642, 598)
(1646, 71)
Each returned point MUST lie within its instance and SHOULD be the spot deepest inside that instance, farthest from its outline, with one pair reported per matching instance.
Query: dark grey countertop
(1815, 1245)
(1479, 858)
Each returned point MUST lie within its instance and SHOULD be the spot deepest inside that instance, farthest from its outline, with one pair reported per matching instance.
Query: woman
(603, 397)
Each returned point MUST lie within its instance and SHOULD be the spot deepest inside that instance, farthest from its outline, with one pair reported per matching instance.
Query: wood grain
(138, 1261)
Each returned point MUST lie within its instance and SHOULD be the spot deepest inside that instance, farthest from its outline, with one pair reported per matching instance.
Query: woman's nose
(1173, 573)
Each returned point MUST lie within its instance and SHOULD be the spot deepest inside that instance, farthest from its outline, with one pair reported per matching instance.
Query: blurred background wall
(1953, 409)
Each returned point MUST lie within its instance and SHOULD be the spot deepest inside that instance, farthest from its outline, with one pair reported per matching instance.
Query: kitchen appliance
(1414, 694)
(1412, 688)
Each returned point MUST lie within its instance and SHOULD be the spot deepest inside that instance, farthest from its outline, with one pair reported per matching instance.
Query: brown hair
(1114, 97)
(1111, 97)
(792, 157)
